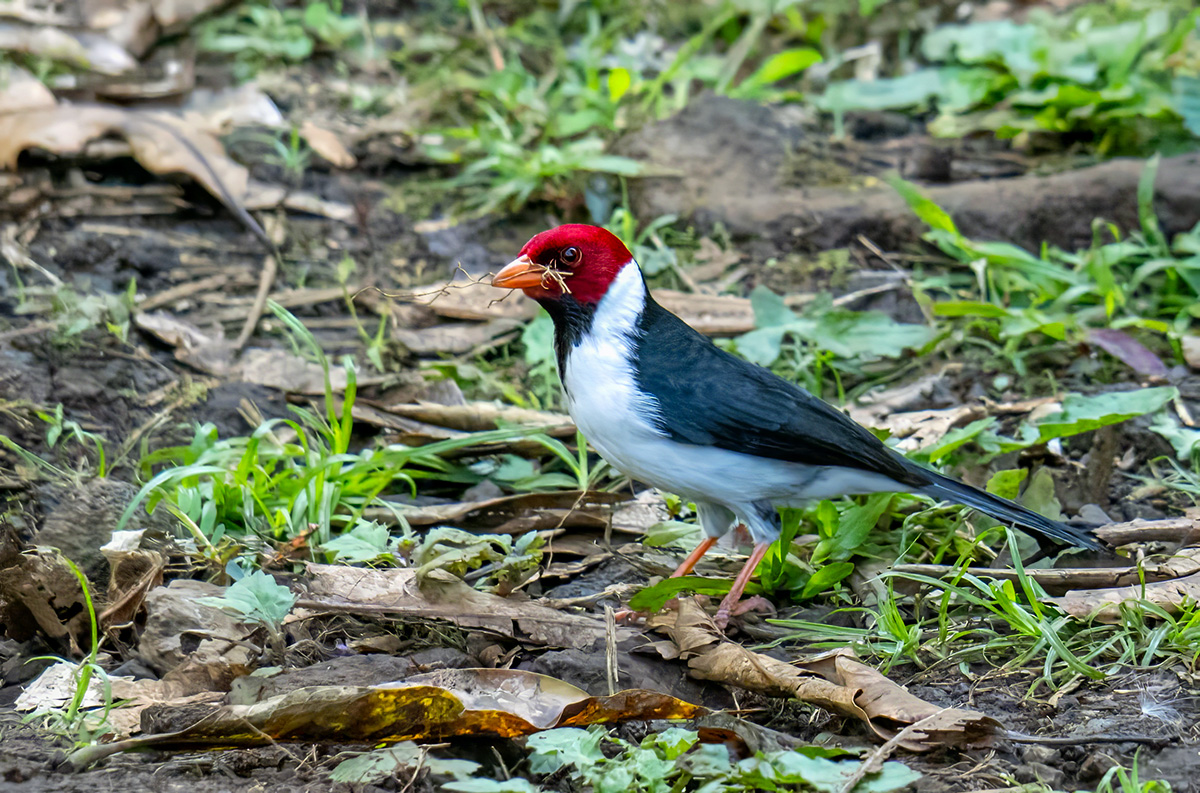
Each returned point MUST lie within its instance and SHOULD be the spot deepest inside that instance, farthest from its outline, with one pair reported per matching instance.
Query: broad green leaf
(567, 746)
(769, 309)
(852, 529)
(1185, 440)
(1007, 484)
(257, 598)
(366, 541)
(1187, 102)
(825, 578)
(380, 764)
(1084, 413)
(969, 308)
(652, 598)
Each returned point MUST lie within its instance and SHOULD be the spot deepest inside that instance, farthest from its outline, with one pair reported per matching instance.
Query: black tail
(944, 488)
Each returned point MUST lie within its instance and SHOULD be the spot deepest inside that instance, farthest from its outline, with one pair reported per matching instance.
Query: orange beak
(521, 273)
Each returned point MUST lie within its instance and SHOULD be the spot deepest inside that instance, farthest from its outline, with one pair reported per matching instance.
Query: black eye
(571, 255)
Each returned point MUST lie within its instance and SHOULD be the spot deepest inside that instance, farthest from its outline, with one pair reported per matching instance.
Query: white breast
(602, 394)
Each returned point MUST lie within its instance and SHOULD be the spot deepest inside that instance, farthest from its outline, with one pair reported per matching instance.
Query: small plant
(1119, 76)
(258, 34)
(1014, 304)
(257, 599)
(675, 760)
(83, 726)
(61, 428)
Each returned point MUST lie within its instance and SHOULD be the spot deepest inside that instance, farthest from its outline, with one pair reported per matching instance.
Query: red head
(574, 259)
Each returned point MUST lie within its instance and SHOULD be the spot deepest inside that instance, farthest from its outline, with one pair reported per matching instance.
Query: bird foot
(630, 617)
(755, 603)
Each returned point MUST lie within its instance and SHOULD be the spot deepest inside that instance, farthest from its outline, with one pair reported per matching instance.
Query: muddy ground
(782, 190)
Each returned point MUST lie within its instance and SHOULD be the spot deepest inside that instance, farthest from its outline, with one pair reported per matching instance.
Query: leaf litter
(427, 587)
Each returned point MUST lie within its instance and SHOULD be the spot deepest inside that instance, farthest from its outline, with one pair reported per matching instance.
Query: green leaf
(567, 746)
(953, 440)
(825, 578)
(779, 66)
(1185, 440)
(922, 205)
(257, 598)
(652, 598)
(371, 767)
(1085, 413)
(368, 540)
(619, 82)
(673, 741)
(1007, 484)
(852, 529)
(769, 309)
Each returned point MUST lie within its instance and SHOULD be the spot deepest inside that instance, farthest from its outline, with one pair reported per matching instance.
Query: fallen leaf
(83, 50)
(176, 611)
(504, 703)
(836, 681)
(1128, 350)
(456, 338)
(161, 143)
(21, 91)
(220, 111)
(328, 145)
(443, 596)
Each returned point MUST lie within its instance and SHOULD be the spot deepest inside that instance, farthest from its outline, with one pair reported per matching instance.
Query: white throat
(599, 374)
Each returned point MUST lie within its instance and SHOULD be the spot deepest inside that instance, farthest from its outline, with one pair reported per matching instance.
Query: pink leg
(625, 615)
(694, 557)
(739, 584)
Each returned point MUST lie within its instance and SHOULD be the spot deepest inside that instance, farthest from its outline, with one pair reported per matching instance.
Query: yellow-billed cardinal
(666, 406)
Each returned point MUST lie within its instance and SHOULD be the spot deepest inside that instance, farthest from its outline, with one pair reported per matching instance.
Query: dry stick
(265, 281)
(610, 650)
(877, 758)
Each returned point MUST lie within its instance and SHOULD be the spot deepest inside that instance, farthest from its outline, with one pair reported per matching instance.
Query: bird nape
(665, 406)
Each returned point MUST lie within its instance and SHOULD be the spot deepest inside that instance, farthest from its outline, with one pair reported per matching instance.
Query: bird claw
(629, 616)
(755, 603)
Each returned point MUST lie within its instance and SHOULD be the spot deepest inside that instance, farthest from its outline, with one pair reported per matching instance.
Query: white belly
(617, 419)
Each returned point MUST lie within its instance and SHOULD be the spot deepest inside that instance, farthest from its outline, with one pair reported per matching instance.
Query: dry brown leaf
(456, 338)
(1103, 605)
(444, 596)
(713, 315)
(21, 91)
(328, 145)
(133, 573)
(836, 681)
(161, 143)
(475, 702)
(222, 110)
(82, 50)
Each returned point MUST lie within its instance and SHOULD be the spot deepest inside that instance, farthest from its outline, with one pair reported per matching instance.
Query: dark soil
(767, 176)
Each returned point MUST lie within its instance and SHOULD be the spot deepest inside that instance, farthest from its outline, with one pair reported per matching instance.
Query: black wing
(708, 397)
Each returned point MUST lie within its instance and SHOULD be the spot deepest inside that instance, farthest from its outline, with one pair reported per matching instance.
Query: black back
(708, 397)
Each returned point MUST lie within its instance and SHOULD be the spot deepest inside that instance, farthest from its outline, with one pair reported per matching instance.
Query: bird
(666, 406)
